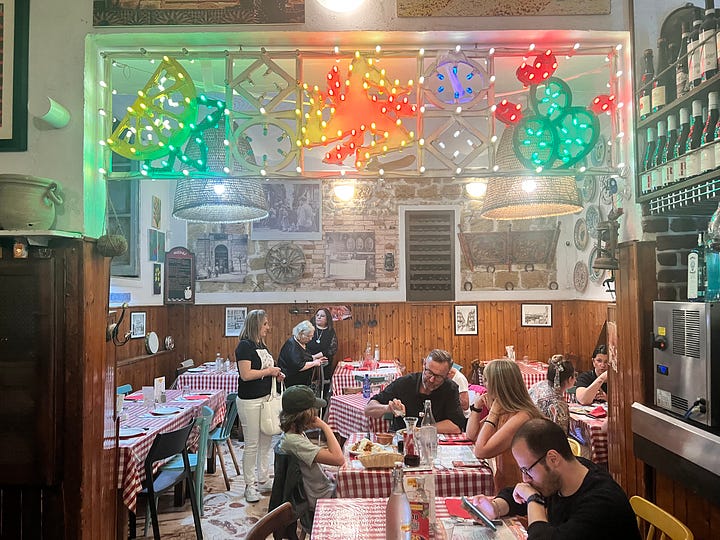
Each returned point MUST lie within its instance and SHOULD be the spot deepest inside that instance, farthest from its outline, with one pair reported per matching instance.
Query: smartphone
(477, 513)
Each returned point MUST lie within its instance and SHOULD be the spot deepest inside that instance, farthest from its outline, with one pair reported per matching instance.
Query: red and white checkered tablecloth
(533, 372)
(354, 481)
(210, 380)
(591, 433)
(346, 415)
(345, 378)
(364, 519)
(133, 451)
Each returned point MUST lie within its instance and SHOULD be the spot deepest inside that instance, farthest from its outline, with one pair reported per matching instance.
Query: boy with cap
(299, 414)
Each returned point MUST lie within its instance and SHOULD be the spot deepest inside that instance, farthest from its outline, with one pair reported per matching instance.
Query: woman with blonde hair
(549, 395)
(496, 416)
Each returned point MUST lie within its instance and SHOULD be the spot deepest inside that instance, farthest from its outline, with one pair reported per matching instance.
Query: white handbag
(270, 411)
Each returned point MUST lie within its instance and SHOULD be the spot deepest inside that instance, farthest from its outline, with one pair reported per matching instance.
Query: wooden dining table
(474, 477)
(133, 450)
(364, 519)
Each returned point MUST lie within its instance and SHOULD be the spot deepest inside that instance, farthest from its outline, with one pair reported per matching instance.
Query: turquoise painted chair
(124, 390)
(202, 422)
(221, 435)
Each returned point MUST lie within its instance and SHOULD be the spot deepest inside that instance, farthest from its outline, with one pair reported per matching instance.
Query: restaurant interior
(466, 176)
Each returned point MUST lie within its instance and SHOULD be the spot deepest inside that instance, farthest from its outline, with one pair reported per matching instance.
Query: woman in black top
(324, 341)
(295, 360)
(258, 371)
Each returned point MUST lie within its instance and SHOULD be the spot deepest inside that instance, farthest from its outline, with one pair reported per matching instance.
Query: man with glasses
(564, 497)
(592, 385)
(406, 396)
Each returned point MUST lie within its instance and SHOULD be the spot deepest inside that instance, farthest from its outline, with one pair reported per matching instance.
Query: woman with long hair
(549, 395)
(324, 341)
(258, 372)
(509, 406)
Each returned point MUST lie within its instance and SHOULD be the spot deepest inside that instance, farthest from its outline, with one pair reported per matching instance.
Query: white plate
(152, 343)
(127, 433)
(196, 370)
(162, 411)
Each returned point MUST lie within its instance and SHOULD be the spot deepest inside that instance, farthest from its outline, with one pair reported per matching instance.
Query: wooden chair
(274, 522)
(222, 435)
(574, 446)
(659, 521)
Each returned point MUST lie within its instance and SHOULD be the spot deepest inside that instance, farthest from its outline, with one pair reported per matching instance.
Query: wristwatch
(473, 408)
(536, 498)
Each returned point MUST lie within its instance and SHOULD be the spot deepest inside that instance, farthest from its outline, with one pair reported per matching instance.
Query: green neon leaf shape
(577, 132)
(535, 142)
(551, 98)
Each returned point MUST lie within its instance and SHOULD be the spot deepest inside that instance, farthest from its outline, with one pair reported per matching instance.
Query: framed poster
(179, 276)
(234, 320)
(536, 315)
(295, 211)
(14, 23)
(137, 324)
(157, 278)
(466, 323)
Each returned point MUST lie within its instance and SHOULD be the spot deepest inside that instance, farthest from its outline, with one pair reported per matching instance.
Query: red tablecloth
(210, 380)
(592, 435)
(353, 481)
(346, 415)
(345, 378)
(364, 519)
(134, 451)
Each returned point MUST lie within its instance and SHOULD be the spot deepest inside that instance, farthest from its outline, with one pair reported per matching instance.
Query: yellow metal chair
(658, 521)
(574, 446)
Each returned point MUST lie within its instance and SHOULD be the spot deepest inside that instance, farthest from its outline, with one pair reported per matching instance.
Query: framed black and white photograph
(14, 26)
(295, 211)
(137, 324)
(536, 315)
(466, 321)
(234, 320)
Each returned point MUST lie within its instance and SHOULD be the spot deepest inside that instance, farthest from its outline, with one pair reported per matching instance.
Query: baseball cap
(299, 398)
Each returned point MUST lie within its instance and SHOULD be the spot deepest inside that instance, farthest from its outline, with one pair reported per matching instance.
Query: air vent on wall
(430, 254)
(686, 333)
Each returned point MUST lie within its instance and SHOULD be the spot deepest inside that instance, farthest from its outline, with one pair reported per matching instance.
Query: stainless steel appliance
(686, 359)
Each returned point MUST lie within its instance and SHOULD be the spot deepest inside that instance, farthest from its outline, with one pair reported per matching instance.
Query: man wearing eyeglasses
(406, 396)
(564, 497)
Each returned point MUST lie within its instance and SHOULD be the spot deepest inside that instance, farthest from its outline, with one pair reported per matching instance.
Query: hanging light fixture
(529, 195)
(220, 200)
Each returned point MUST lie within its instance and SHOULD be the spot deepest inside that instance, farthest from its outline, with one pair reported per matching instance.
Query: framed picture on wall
(137, 324)
(295, 211)
(466, 322)
(536, 315)
(234, 320)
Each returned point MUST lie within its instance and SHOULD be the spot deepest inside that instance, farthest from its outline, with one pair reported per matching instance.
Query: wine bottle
(684, 133)
(682, 86)
(662, 83)
(645, 84)
(707, 150)
(646, 176)
(696, 272)
(659, 174)
(708, 47)
(397, 511)
(695, 72)
(692, 158)
(671, 149)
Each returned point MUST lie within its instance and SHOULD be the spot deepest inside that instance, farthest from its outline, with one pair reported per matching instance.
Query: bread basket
(380, 460)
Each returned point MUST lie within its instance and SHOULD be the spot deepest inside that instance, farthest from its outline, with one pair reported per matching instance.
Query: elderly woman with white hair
(295, 361)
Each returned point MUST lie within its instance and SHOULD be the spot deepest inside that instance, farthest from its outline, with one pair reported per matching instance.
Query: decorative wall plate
(596, 276)
(169, 343)
(152, 343)
(608, 188)
(580, 235)
(597, 156)
(592, 218)
(588, 188)
(580, 276)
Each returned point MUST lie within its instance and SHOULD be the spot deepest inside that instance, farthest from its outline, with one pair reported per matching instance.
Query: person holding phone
(564, 497)
(295, 361)
(592, 385)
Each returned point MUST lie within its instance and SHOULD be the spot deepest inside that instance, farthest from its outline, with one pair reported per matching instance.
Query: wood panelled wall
(404, 330)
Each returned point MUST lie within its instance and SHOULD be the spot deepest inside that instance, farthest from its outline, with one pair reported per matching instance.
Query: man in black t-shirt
(564, 497)
(406, 396)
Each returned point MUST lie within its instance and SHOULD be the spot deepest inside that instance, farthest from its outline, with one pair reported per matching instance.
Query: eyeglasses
(526, 470)
(429, 374)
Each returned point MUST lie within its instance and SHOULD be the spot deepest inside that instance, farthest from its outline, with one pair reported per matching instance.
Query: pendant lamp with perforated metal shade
(220, 200)
(526, 196)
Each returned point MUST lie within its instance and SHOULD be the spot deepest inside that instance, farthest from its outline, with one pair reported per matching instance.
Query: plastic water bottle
(366, 386)
(377, 353)
(428, 436)
(218, 362)
(397, 512)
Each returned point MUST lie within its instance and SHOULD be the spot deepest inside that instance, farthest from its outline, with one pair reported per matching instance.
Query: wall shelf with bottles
(695, 196)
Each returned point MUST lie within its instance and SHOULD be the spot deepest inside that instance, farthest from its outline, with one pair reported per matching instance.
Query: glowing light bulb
(476, 189)
(529, 185)
(219, 189)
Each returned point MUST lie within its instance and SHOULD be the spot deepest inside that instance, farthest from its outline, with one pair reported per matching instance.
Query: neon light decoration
(603, 103)
(366, 104)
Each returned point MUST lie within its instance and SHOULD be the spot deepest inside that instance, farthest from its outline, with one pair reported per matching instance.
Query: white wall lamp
(341, 6)
(476, 189)
(51, 112)
(344, 192)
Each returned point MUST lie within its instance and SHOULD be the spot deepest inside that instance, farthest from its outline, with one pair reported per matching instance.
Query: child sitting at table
(299, 414)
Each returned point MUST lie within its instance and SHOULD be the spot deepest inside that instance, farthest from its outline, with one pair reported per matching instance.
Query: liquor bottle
(707, 150)
(692, 158)
(428, 436)
(658, 158)
(670, 155)
(646, 177)
(662, 84)
(397, 511)
(645, 85)
(694, 49)
(696, 272)
(682, 85)
(708, 51)
(712, 259)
